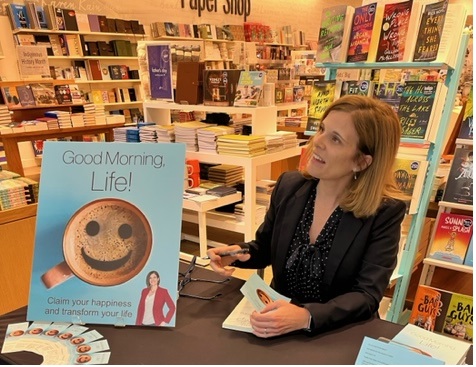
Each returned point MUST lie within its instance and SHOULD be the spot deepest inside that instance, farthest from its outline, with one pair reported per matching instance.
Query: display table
(198, 337)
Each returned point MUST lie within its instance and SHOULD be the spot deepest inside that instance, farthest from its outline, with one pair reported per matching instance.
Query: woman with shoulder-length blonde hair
(331, 232)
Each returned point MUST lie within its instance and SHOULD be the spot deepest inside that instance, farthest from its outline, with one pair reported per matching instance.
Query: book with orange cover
(429, 308)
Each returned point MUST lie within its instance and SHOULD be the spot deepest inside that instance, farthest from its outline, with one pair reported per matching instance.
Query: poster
(33, 61)
(160, 71)
(108, 232)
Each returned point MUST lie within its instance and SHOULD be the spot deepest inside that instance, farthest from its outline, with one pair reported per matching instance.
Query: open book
(257, 295)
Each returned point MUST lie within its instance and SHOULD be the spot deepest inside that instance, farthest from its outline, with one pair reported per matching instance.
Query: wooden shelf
(106, 81)
(11, 215)
(51, 31)
(79, 57)
(448, 265)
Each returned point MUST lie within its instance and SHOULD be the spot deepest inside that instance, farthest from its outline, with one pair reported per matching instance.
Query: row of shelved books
(418, 103)
(390, 30)
(442, 311)
(40, 95)
(114, 95)
(88, 115)
(35, 15)
(16, 191)
(76, 45)
(248, 31)
(84, 70)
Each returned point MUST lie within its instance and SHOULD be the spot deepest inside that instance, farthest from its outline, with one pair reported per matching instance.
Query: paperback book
(459, 186)
(429, 308)
(410, 175)
(249, 88)
(459, 317)
(388, 92)
(322, 95)
(451, 238)
(104, 234)
(361, 33)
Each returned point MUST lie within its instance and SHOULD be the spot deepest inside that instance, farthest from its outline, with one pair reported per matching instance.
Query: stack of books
(240, 213)
(241, 145)
(127, 134)
(222, 191)
(274, 143)
(16, 191)
(63, 118)
(207, 137)
(77, 119)
(186, 132)
(227, 174)
(5, 120)
(94, 114)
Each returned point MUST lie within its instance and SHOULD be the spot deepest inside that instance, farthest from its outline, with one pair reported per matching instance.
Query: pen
(230, 253)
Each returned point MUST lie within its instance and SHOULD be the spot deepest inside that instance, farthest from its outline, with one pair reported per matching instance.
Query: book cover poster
(459, 187)
(459, 317)
(249, 89)
(396, 19)
(429, 33)
(452, 237)
(160, 71)
(108, 233)
(414, 110)
(361, 33)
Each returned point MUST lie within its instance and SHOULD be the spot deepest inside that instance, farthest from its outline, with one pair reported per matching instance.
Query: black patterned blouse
(306, 262)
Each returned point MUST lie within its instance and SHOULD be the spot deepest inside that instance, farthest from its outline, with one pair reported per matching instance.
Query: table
(12, 152)
(198, 337)
(202, 208)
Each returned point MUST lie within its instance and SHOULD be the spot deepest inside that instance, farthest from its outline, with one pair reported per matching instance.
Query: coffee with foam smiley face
(107, 242)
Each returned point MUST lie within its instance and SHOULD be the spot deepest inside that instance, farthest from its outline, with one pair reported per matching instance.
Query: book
(466, 129)
(239, 318)
(459, 186)
(459, 317)
(451, 237)
(334, 33)
(25, 95)
(455, 21)
(249, 88)
(388, 92)
(322, 95)
(94, 22)
(44, 94)
(419, 109)
(59, 19)
(70, 22)
(41, 16)
(429, 308)
(361, 33)
(430, 31)
(63, 94)
(106, 198)
(394, 31)
(10, 97)
(18, 16)
(356, 87)
(410, 175)
(159, 62)
(468, 258)
(438, 346)
(219, 86)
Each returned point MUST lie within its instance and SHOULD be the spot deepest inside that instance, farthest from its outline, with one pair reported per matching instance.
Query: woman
(152, 302)
(331, 232)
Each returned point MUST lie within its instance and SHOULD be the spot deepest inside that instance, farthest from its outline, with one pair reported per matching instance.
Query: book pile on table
(227, 174)
(290, 139)
(207, 137)
(186, 132)
(5, 119)
(274, 143)
(94, 114)
(127, 134)
(241, 145)
(222, 191)
(77, 119)
(63, 117)
(16, 191)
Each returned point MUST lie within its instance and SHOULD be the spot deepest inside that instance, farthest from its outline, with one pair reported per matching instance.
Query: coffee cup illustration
(106, 242)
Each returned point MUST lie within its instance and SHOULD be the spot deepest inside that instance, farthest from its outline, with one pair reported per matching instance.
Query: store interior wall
(303, 15)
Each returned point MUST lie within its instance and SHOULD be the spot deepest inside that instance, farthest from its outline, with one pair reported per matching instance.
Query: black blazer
(361, 260)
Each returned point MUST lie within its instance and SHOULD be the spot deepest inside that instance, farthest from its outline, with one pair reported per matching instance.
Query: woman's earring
(355, 175)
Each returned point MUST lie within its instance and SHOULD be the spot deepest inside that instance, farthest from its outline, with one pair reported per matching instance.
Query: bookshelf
(396, 311)
(263, 120)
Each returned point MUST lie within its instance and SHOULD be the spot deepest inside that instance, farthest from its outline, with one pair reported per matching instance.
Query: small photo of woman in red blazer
(151, 305)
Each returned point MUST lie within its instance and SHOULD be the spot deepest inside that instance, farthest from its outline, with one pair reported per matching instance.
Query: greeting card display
(108, 232)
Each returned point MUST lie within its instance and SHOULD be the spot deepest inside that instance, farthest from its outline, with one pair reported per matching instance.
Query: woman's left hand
(278, 318)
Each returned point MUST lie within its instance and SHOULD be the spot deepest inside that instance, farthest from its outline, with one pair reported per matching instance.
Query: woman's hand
(218, 262)
(278, 318)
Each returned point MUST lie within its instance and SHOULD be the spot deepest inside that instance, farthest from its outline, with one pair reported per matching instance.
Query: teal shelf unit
(396, 312)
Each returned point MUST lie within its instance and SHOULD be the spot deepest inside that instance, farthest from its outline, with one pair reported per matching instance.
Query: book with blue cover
(249, 88)
(105, 236)
(18, 16)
